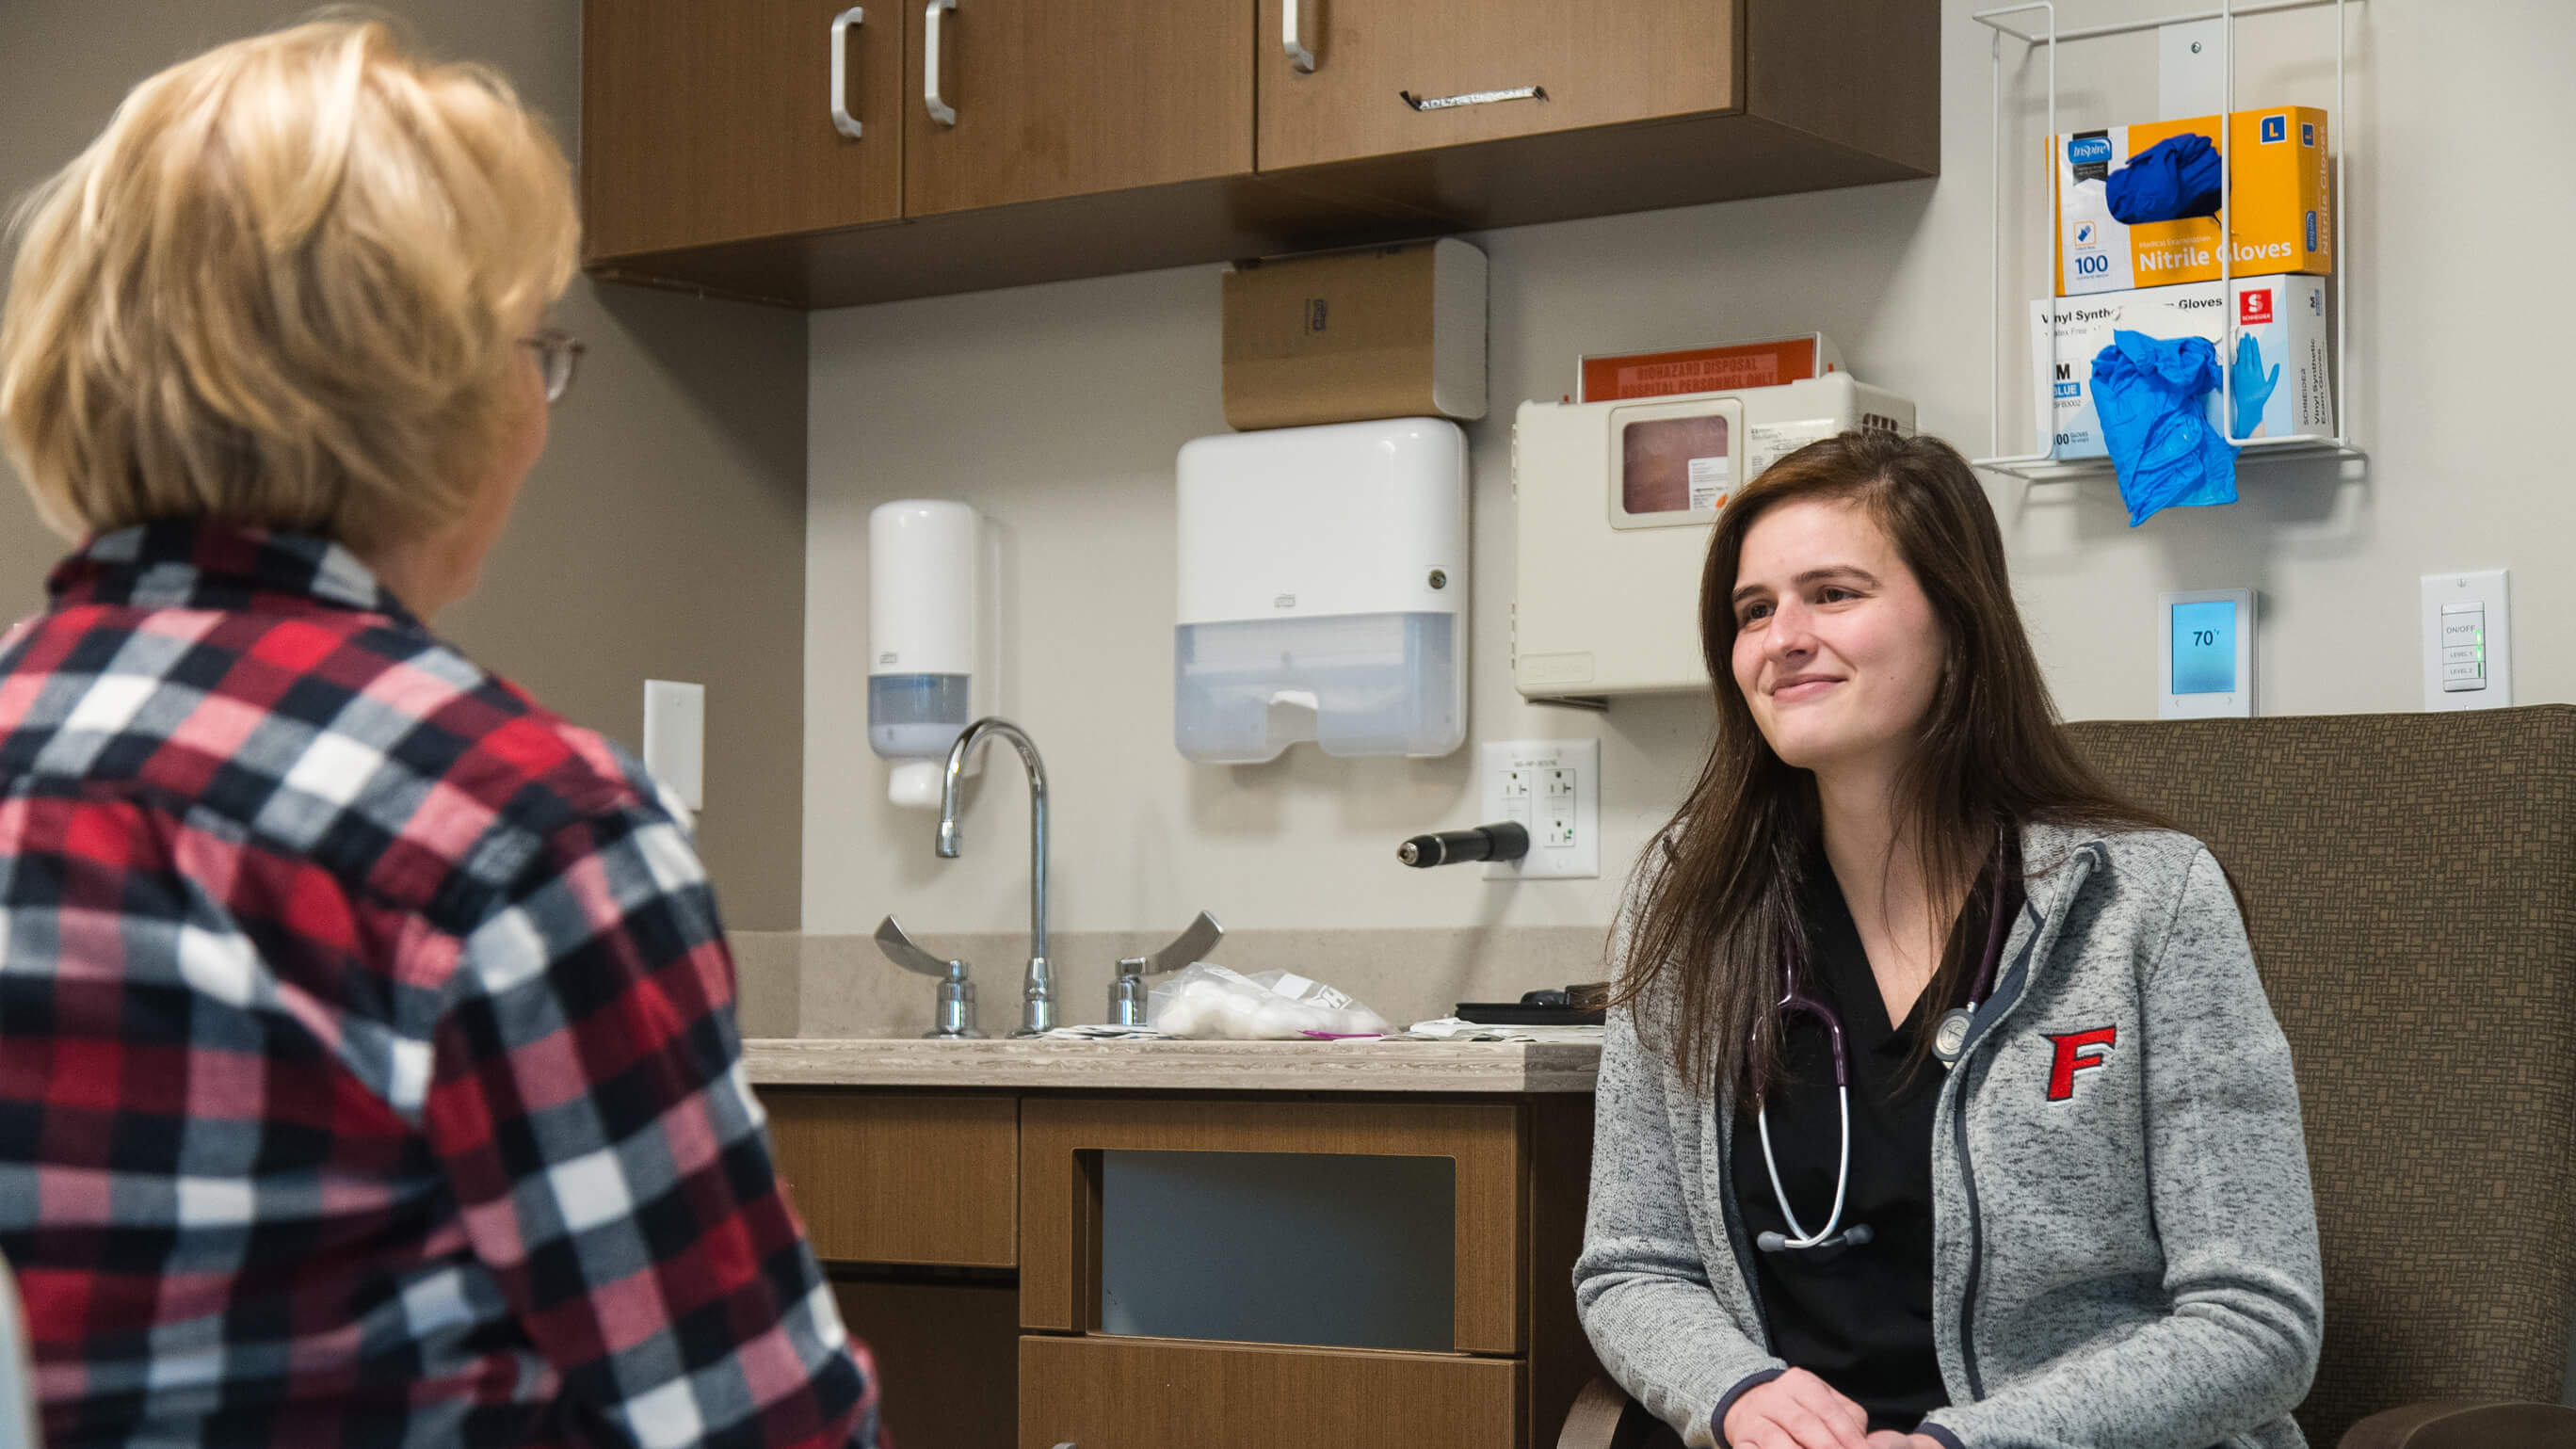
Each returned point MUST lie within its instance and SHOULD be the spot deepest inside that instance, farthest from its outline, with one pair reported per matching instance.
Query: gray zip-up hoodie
(2124, 1242)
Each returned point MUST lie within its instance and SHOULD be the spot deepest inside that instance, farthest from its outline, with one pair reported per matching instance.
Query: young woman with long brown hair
(1942, 1107)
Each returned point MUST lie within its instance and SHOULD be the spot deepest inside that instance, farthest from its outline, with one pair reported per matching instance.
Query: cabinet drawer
(1144, 1393)
(1062, 1221)
(1599, 64)
(895, 1177)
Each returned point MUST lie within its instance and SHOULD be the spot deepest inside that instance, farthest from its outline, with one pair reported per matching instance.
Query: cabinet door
(1055, 99)
(1143, 1393)
(1061, 1202)
(705, 123)
(1397, 76)
(900, 1177)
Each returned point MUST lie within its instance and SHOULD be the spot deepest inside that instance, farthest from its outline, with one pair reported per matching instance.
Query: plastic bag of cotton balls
(1205, 1001)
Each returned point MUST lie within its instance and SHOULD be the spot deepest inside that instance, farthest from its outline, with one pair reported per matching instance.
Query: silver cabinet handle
(940, 111)
(1472, 98)
(1292, 38)
(842, 120)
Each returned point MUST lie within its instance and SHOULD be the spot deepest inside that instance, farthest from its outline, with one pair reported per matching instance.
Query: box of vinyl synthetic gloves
(2137, 206)
(2278, 372)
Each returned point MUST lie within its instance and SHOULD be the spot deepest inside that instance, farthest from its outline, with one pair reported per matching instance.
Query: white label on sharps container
(1768, 443)
(1707, 482)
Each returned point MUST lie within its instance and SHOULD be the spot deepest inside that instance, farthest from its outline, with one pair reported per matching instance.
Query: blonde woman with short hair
(368, 1070)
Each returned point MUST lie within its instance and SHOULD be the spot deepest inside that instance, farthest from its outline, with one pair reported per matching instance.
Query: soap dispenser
(931, 632)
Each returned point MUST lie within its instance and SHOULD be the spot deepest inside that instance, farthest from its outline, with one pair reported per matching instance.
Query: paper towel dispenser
(1323, 591)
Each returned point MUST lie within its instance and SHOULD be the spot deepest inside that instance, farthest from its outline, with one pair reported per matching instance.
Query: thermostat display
(2204, 647)
(2205, 655)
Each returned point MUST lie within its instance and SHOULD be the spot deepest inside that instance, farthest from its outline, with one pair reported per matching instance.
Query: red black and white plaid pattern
(368, 1073)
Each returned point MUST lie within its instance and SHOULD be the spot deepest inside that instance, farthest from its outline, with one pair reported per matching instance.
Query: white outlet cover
(675, 738)
(1552, 788)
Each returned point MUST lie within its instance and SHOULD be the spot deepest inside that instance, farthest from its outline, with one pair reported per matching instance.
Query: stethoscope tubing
(1792, 999)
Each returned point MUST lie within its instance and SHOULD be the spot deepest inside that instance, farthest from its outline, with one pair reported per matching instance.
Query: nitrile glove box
(2280, 211)
(2281, 345)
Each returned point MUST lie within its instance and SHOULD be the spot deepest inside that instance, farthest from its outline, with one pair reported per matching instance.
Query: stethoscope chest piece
(1950, 1036)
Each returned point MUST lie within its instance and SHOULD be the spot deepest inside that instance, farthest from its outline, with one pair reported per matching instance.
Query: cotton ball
(1279, 1019)
(1234, 1016)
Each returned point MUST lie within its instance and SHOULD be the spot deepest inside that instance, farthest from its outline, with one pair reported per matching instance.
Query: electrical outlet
(1552, 789)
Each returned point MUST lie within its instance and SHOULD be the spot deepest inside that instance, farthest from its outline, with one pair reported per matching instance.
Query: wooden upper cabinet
(1395, 76)
(704, 123)
(1058, 98)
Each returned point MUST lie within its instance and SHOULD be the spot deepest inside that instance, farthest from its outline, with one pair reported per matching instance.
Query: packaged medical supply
(1207, 1000)
(2137, 206)
(2152, 395)
(2278, 368)
(1612, 376)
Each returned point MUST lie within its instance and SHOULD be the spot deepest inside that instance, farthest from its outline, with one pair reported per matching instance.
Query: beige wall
(1058, 409)
(661, 536)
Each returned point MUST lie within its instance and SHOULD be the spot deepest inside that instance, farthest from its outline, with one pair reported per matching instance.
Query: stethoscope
(1949, 1039)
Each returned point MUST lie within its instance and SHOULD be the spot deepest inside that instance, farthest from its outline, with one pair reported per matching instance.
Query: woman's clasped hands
(1801, 1411)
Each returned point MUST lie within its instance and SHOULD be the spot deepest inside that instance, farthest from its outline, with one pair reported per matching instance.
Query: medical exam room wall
(1057, 409)
(662, 534)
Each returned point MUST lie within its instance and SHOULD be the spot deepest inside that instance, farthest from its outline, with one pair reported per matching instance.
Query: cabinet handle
(1292, 41)
(1473, 98)
(842, 120)
(940, 111)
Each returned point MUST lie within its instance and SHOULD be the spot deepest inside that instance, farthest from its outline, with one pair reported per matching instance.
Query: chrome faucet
(1037, 993)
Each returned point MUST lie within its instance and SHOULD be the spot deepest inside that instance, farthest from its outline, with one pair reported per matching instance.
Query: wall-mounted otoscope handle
(1506, 841)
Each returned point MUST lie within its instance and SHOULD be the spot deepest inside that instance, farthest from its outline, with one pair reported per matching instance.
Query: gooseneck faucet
(1037, 993)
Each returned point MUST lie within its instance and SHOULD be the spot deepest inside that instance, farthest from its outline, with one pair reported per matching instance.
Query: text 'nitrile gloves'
(2151, 395)
(2251, 385)
(2172, 179)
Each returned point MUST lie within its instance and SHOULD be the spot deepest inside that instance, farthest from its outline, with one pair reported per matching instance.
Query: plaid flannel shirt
(368, 1072)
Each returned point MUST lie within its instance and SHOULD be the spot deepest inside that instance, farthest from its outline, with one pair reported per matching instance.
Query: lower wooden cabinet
(1147, 1393)
(947, 1356)
(977, 1250)
(901, 1177)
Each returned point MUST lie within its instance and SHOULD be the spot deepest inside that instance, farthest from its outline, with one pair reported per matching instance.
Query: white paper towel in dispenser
(1323, 591)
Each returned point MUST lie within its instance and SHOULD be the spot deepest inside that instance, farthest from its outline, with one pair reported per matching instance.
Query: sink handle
(1190, 945)
(1127, 992)
(903, 951)
(953, 1018)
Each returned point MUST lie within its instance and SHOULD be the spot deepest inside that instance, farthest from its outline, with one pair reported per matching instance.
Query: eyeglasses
(558, 358)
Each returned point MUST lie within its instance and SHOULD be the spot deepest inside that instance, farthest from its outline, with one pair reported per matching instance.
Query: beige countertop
(1175, 1066)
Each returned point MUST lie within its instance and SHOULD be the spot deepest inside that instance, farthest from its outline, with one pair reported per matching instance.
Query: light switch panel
(2468, 641)
(1552, 788)
(675, 738)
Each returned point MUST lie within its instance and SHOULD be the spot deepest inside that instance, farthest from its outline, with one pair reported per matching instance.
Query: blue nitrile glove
(2252, 386)
(2152, 397)
(2172, 179)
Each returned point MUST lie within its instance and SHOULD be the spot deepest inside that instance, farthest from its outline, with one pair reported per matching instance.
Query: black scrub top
(1860, 1318)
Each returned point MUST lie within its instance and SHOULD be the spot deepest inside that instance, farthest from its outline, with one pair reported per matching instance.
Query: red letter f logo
(2072, 1058)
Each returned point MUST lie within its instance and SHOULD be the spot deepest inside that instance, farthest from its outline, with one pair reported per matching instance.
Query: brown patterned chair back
(2410, 883)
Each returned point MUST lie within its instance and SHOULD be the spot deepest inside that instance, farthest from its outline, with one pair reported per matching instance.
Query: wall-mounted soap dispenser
(1323, 591)
(932, 627)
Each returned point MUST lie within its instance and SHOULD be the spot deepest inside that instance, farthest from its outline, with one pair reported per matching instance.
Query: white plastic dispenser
(1323, 591)
(930, 629)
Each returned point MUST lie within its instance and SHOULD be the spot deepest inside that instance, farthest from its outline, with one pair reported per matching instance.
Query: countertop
(1182, 1066)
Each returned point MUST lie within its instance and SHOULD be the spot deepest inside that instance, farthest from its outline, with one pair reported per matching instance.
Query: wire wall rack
(2036, 30)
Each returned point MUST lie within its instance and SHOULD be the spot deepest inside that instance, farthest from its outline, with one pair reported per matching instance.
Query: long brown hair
(1717, 891)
